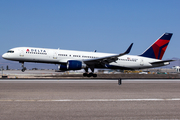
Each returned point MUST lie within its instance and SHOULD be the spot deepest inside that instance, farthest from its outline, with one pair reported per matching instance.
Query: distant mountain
(174, 63)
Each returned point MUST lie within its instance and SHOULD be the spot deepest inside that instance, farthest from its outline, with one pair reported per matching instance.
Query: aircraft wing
(108, 59)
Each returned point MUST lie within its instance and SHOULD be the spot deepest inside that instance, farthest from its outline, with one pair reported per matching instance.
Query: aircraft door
(21, 53)
(55, 55)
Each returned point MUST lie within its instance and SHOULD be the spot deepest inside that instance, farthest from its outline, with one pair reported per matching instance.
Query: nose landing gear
(23, 68)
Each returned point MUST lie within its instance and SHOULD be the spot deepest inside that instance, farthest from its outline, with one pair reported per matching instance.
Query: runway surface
(89, 99)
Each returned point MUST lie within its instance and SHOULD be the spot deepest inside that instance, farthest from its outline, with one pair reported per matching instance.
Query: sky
(108, 26)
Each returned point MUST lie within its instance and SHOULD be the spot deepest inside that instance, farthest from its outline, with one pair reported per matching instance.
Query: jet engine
(72, 65)
(62, 67)
(75, 65)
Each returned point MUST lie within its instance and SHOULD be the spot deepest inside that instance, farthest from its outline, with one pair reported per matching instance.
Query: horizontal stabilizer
(162, 62)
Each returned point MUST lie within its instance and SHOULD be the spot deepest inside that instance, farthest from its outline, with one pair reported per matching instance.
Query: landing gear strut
(23, 68)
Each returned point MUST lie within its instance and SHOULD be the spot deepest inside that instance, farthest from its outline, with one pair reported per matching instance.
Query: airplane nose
(4, 56)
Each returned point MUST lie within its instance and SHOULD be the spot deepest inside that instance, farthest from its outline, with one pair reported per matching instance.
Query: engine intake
(63, 67)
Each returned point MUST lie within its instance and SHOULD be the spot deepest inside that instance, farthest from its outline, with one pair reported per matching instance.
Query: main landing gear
(87, 74)
(23, 68)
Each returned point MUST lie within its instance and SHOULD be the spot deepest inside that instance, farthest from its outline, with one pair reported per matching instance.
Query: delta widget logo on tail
(158, 49)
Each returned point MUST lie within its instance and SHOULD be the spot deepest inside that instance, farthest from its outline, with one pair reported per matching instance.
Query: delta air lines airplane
(76, 60)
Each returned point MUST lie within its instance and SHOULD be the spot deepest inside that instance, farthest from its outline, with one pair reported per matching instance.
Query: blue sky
(103, 25)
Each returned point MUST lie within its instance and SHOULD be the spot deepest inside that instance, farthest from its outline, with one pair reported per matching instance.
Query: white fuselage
(58, 56)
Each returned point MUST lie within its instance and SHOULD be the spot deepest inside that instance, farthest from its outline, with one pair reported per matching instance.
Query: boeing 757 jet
(76, 60)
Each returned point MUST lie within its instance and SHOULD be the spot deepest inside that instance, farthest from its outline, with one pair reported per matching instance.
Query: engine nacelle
(62, 67)
(75, 65)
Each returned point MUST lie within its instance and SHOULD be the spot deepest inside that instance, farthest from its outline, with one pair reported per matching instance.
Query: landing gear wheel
(85, 74)
(89, 74)
(94, 75)
(23, 69)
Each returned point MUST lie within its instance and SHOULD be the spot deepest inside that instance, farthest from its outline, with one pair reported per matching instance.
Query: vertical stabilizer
(157, 49)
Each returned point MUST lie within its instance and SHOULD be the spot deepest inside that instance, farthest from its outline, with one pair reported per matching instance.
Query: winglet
(129, 49)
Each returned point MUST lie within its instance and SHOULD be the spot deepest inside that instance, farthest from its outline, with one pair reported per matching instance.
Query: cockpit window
(10, 51)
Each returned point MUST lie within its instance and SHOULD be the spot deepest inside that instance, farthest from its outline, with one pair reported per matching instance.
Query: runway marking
(93, 100)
